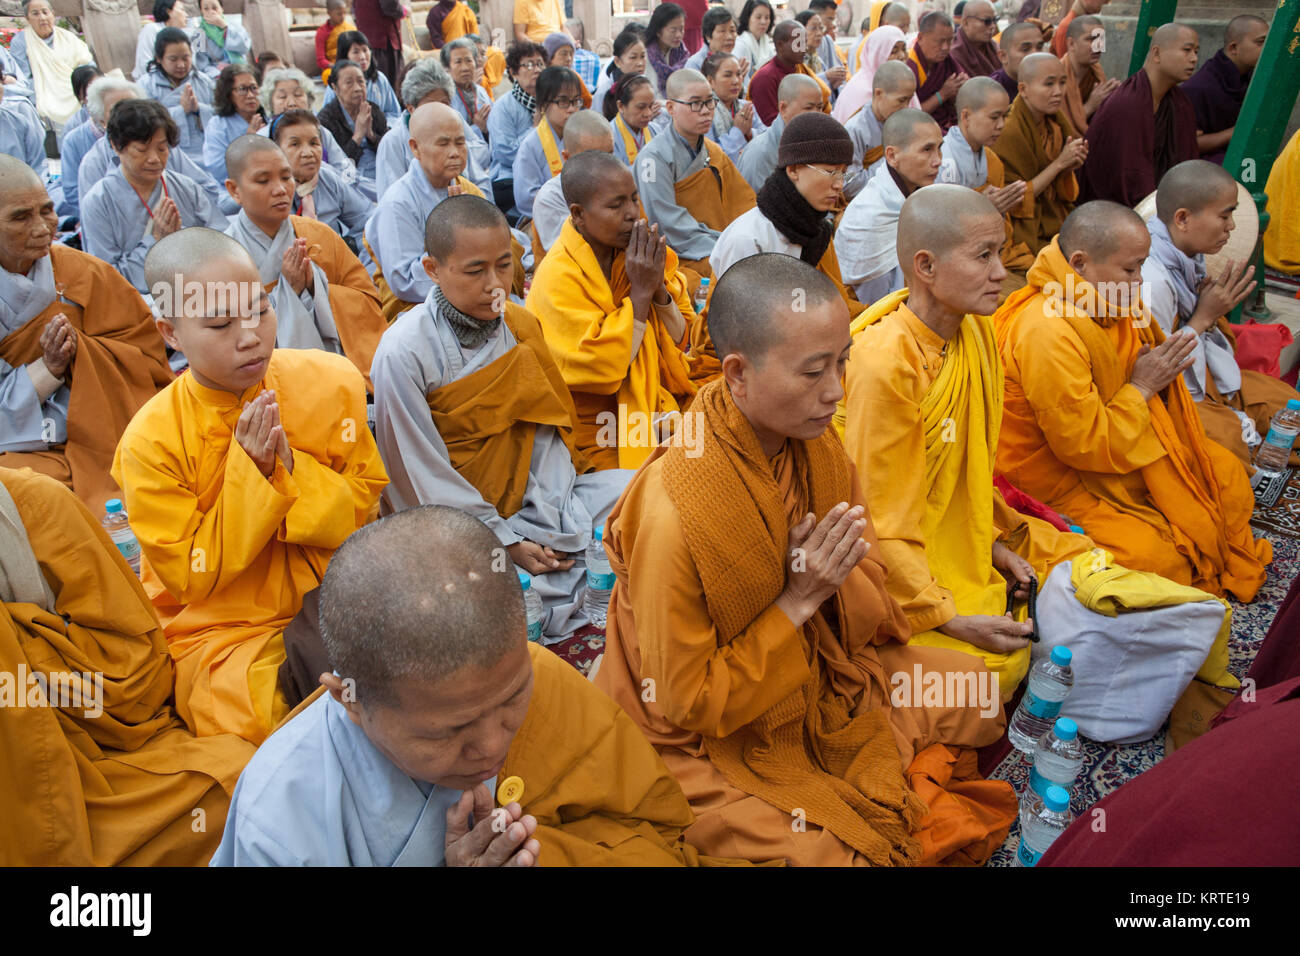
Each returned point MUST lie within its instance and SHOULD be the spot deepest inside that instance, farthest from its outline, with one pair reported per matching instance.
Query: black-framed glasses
(245, 90)
(987, 21)
(568, 102)
(699, 106)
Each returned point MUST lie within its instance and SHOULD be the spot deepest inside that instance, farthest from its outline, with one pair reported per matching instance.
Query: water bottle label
(535, 631)
(600, 582)
(1280, 439)
(1043, 709)
(1027, 855)
(130, 549)
(1039, 783)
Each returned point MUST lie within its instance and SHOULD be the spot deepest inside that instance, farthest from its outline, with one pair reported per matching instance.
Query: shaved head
(428, 120)
(681, 81)
(586, 174)
(977, 92)
(1170, 35)
(893, 76)
(1082, 26)
(1036, 65)
(895, 15)
(1193, 185)
(977, 8)
(904, 126)
(452, 215)
(938, 219)
(1241, 26)
(15, 174)
(386, 619)
(1098, 228)
(751, 306)
(933, 21)
(243, 148)
(792, 85)
(187, 251)
(1016, 32)
(785, 30)
(586, 130)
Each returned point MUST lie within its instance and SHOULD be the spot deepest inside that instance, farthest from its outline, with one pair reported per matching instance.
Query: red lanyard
(469, 105)
(162, 179)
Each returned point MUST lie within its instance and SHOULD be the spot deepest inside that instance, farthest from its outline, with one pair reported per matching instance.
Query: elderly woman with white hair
(102, 94)
(427, 82)
(47, 54)
(289, 88)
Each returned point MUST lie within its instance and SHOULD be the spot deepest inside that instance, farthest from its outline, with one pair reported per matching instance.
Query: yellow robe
(125, 786)
(919, 406)
(1139, 476)
(458, 22)
(588, 323)
(228, 553)
(758, 718)
(1282, 237)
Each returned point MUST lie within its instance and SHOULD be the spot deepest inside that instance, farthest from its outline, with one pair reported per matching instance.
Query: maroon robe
(975, 59)
(1130, 148)
(1217, 91)
(936, 74)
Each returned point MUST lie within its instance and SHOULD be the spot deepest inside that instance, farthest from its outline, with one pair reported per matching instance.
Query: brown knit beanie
(814, 138)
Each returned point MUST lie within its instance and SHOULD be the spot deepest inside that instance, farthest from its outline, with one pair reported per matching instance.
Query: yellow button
(511, 790)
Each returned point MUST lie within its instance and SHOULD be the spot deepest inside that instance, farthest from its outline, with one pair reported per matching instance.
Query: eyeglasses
(245, 90)
(535, 66)
(568, 103)
(699, 106)
(837, 178)
(987, 21)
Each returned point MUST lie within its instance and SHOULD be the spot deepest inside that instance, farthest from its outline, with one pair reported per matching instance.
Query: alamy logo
(74, 908)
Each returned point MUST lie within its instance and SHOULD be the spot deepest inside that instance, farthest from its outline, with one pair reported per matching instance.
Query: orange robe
(1079, 85)
(714, 196)
(1025, 147)
(354, 299)
(494, 70)
(783, 738)
(1016, 256)
(917, 405)
(1140, 477)
(119, 364)
(589, 325)
(458, 22)
(110, 777)
(229, 553)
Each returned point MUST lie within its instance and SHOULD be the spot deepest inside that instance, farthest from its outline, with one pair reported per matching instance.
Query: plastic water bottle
(1049, 683)
(600, 579)
(1275, 451)
(115, 523)
(1058, 756)
(702, 295)
(532, 607)
(1045, 818)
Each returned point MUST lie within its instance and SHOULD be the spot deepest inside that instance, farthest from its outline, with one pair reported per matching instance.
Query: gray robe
(759, 158)
(664, 162)
(30, 422)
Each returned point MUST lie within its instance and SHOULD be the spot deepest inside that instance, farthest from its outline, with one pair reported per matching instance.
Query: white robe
(866, 242)
(748, 235)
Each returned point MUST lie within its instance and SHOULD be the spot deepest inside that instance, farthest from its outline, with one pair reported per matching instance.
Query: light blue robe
(725, 134)
(380, 92)
(30, 424)
(366, 165)
(759, 158)
(220, 132)
(396, 233)
(22, 136)
(23, 88)
(76, 144)
(158, 86)
(620, 147)
(393, 157)
(481, 99)
(673, 161)
(340, 206)
(100, 160)
(418, 354)
(531, 168)
(508, 124)
(867, 134)
(115, 223)
(208, 56)
(319, 793)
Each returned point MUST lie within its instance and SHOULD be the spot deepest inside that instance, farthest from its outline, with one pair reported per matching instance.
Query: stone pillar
(112, 28)
(265, 21)
(495, 19)
(598, 19)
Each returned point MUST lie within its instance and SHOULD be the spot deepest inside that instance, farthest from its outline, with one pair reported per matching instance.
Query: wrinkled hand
(189, 102)
(1014, 568)
(835, 76)
(1156, 367)
(166, 218)
(500, 837)
(454, 188)
(256, 123)
(58, 345)
(538, 559)
(1073, 153)
(656, 108)
(1099, 94)
(950, 87)
(481, 117)
(744, 66)
(1220, 295)
(1008, 197)
(744, 119)
(296, 268)
(993, 633)
(363, 123)
(821, 557)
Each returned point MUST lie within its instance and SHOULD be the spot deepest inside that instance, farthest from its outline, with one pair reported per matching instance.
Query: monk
(938, 77)
(1040, 147)
(796, 94)
(107, 774)
(688, 186)
(864, 241)
(1078, 8)
(1086, 85)
(973, 49)
(1017, 42)
(969, 160)
(923, 357)
(1282, 237)
(617, 315)
(1218, 88)
(790, 39)
(437, 708)
(1098, 424)
(892, 88)
(585, 130)
(395, 233)
(472, 412)
(1194, 218)
(1147, 126)
(241, 478)
(750, 632)
(78, 351)
(322, 296)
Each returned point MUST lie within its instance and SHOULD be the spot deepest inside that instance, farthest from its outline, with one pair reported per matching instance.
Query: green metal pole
(1257, 137)
(1154, 14)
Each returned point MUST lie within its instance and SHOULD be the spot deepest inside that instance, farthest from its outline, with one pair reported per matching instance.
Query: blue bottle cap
(1061, 656)
(113, 505)
(1056, 799)
(1076, 529)
(1293, 405)
(525, 580)
(599, 532)
(1065, 728)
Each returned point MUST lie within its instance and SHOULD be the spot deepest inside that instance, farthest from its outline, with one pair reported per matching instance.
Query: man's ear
(1181, 216)
(168, 332)
(924, 266)
(430, 265)
(891, 156)
(232, 187)
(735, 368)
(344, 692)
(1078, 261)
